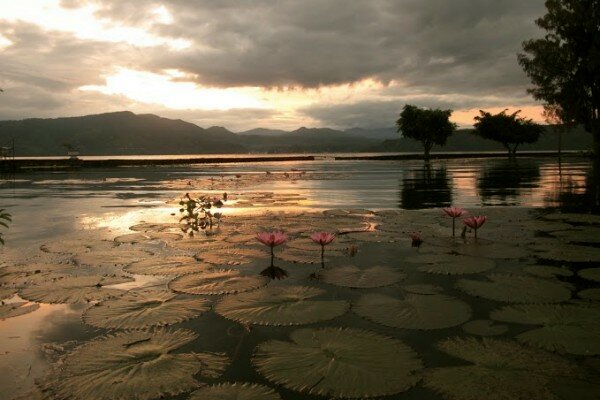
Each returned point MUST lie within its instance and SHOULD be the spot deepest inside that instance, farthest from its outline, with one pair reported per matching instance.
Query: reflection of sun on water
(120, 223)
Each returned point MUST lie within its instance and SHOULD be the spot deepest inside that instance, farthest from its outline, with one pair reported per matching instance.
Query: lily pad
(483, 249)
(9, 310)
(592, 274)
(109, 258)
(174, 265)
(569, 328)
(74, 289)
(516, 289)
(196, 245)
(235, 391)
(301, 256)
(354, 277)
(500, 370)
(143, 308)
(232, 256)
(154, 227)
(580, 235)
(590, 294)
(566, 252)
(546, 271)
(414, 311)
(588, 219)
(335, 362)
(7, 292)
(484, 327)
(76, 246)
(141, 237)
(218, 281)
(133, 365)
(451, 264)
(281, 306)
(422, 288)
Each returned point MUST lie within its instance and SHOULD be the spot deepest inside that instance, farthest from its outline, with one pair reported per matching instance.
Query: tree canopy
(564, 65)
(426, 125)
(508, 129)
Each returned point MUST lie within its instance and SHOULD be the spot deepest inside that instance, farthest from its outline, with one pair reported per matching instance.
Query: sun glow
(85, 24)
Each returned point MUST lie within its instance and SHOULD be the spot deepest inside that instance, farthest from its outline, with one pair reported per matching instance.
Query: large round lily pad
(142, 308)
(516, 289)
(141, 237)
(9, 310)
(592, 274)
(414, 311)
(590, 294)
(500, 370)
(334, 363)
(566, 252)
(579, 235)
(218, 281)
(76, 246)
(352, 276)
(74, 289)
(569, 328)
(232, 256)
(302, 256)
(587, 219)
(235, 391)
(174, 265)
(451, 264)
(494, 250)
(281, 306)
(484, 327)
(133, 365)
(108, 258)
(546, 271)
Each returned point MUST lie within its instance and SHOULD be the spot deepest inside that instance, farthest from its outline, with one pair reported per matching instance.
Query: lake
(94, 265)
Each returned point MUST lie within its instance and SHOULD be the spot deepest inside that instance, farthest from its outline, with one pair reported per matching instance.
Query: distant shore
(23, 163)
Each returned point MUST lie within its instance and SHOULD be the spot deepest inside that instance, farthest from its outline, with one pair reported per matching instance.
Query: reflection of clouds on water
(21, 362)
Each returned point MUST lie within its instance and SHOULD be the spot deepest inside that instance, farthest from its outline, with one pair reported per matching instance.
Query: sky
(278, 64)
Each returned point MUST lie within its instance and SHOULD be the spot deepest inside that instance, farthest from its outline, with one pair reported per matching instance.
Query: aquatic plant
(339, 363)
(323, 239)
(237, 390)
(417, 240)
(475, 222)
(354, 277)
(454, 212)
(198, 213)
(272, 239)
(5, 218)
(218, 281)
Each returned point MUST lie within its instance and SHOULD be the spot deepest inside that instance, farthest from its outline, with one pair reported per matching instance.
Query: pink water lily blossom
(322, 238)
(454, 212)
(475, 222)
(417, 240)
(272, 239)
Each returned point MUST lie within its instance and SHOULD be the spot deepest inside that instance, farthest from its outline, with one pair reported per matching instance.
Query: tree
(564, 66)
(428, 126)
(508, 129)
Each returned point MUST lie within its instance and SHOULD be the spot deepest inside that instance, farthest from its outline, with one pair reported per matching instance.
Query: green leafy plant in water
(198, 214)
(5, 218)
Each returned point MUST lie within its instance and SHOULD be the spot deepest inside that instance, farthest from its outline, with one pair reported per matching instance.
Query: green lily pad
(569, 328)
(143, 308)
(7, 292)
(174, 265)
(291, 305)
(118, 256)
(484, 327)
(422, 288)
(516, 289)
(566, 252)
(235, 391)
(414, 311)
(590, 294)
(546, 271)
(199, 245)
(483, 249)
(9, 310)
(354, 277)
(579, 235)
(154, 227)
(133, 365)
(589, 219)
(76, 246)
(74, 289)
(499, 370)
(451, 264)
(232, 256)
(141, 237)
(336, 363)
(302, 256)
(592, 274)
(218, 281)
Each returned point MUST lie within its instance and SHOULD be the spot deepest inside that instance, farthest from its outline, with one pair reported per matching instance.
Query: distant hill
(125, 133)
(116, 133)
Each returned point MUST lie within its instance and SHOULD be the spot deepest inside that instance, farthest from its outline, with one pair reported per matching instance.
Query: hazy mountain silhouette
(121, 133)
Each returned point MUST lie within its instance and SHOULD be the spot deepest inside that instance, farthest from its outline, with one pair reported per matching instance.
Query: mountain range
(126, 133)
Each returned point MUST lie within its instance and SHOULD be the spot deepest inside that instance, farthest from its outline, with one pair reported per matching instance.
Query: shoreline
(62, 163)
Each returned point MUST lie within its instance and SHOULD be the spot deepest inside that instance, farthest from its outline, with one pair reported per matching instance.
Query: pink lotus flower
(322, 238)
(272, 239)
(454, 212)
(417, 240)
(475, 222)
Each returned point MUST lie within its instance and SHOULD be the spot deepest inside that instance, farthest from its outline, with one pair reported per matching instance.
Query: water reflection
(426, 187)
(504, 181)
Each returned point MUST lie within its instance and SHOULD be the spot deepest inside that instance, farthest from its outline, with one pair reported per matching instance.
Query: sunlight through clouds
(84, 24)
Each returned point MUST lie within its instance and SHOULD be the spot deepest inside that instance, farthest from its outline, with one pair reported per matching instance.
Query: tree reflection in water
(425, 187)
(503, 181)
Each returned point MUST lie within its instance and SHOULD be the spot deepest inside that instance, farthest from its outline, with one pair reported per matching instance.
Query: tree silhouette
(508, 129)
(428, 126)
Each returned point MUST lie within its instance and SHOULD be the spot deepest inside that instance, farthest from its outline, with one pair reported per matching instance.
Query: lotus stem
(453, 224)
